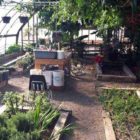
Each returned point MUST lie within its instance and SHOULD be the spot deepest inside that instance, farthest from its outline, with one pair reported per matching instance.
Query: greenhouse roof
(14, 24)
(10, 31)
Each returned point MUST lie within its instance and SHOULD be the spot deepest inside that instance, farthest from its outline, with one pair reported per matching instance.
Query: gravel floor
(79, 97)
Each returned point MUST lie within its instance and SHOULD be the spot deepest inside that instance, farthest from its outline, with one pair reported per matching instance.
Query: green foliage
(12, 101)
(109, 18)
(25, 62)
(124, 107)
(45, 15)
(44, 118)
(22, 121)
(29, 125)
(42, 41)
(29, 48)
(37, 111)
(4, 133)
(13, 48)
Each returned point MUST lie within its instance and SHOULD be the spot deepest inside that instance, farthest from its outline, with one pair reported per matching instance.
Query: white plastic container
(58, 78)
(60, 54)
(35, 72)
(48, 77)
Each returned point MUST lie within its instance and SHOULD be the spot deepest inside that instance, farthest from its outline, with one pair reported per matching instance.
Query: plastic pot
(23, 19)
(6, 19)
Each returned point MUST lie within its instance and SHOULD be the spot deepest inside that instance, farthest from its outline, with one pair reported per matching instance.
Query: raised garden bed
(114, 72)
(3, 78)
(8, 57)
(36, 122)
(123, 107)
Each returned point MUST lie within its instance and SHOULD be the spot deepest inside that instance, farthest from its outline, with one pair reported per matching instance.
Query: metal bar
(10, 35)
(28, 32)
(37, 30)
(21, 39)
(33, 29)
(13, 3)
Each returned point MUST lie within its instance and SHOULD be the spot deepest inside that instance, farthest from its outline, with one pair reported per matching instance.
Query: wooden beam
(109, 132)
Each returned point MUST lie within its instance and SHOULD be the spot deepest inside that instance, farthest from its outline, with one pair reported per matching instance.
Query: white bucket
(48, 77)
(60, 54)
(35, 72)
(58, 78)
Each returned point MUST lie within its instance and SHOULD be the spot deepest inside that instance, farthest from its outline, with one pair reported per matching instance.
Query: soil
(114, 72)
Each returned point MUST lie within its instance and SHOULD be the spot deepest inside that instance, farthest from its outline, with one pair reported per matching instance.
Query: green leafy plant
(29, 47)
(25, 62)
(31, 124)
(124, 108)
(13, 48)
(12, 101)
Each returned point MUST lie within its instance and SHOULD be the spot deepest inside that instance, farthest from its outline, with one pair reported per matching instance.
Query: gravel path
(78, 96)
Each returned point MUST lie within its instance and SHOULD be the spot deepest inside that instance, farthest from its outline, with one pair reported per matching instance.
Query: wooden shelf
(60, 62)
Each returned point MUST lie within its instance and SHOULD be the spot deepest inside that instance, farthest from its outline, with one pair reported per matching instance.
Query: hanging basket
(6, 19)
(23, 19)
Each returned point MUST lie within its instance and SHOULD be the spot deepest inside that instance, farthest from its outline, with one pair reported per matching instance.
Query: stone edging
(138, 93)
(109, 132)
(60, 124)
(129, 77)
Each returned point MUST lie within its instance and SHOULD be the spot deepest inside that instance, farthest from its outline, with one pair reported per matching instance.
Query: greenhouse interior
(69, 70)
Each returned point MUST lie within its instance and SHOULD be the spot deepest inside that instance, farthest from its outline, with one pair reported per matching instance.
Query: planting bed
(124, 109)
(8, 57)
(39, 121)
(114, 72)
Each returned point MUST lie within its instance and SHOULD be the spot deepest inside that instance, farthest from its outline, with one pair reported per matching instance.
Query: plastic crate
(45, 54)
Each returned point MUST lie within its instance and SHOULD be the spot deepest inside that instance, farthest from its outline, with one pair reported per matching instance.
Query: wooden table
(60, 62)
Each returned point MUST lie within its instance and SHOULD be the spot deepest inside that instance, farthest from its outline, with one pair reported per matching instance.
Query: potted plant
(23, 19)
(6, 19)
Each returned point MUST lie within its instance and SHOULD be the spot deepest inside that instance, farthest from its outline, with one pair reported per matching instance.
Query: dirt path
(17, 83)
(78, 96)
